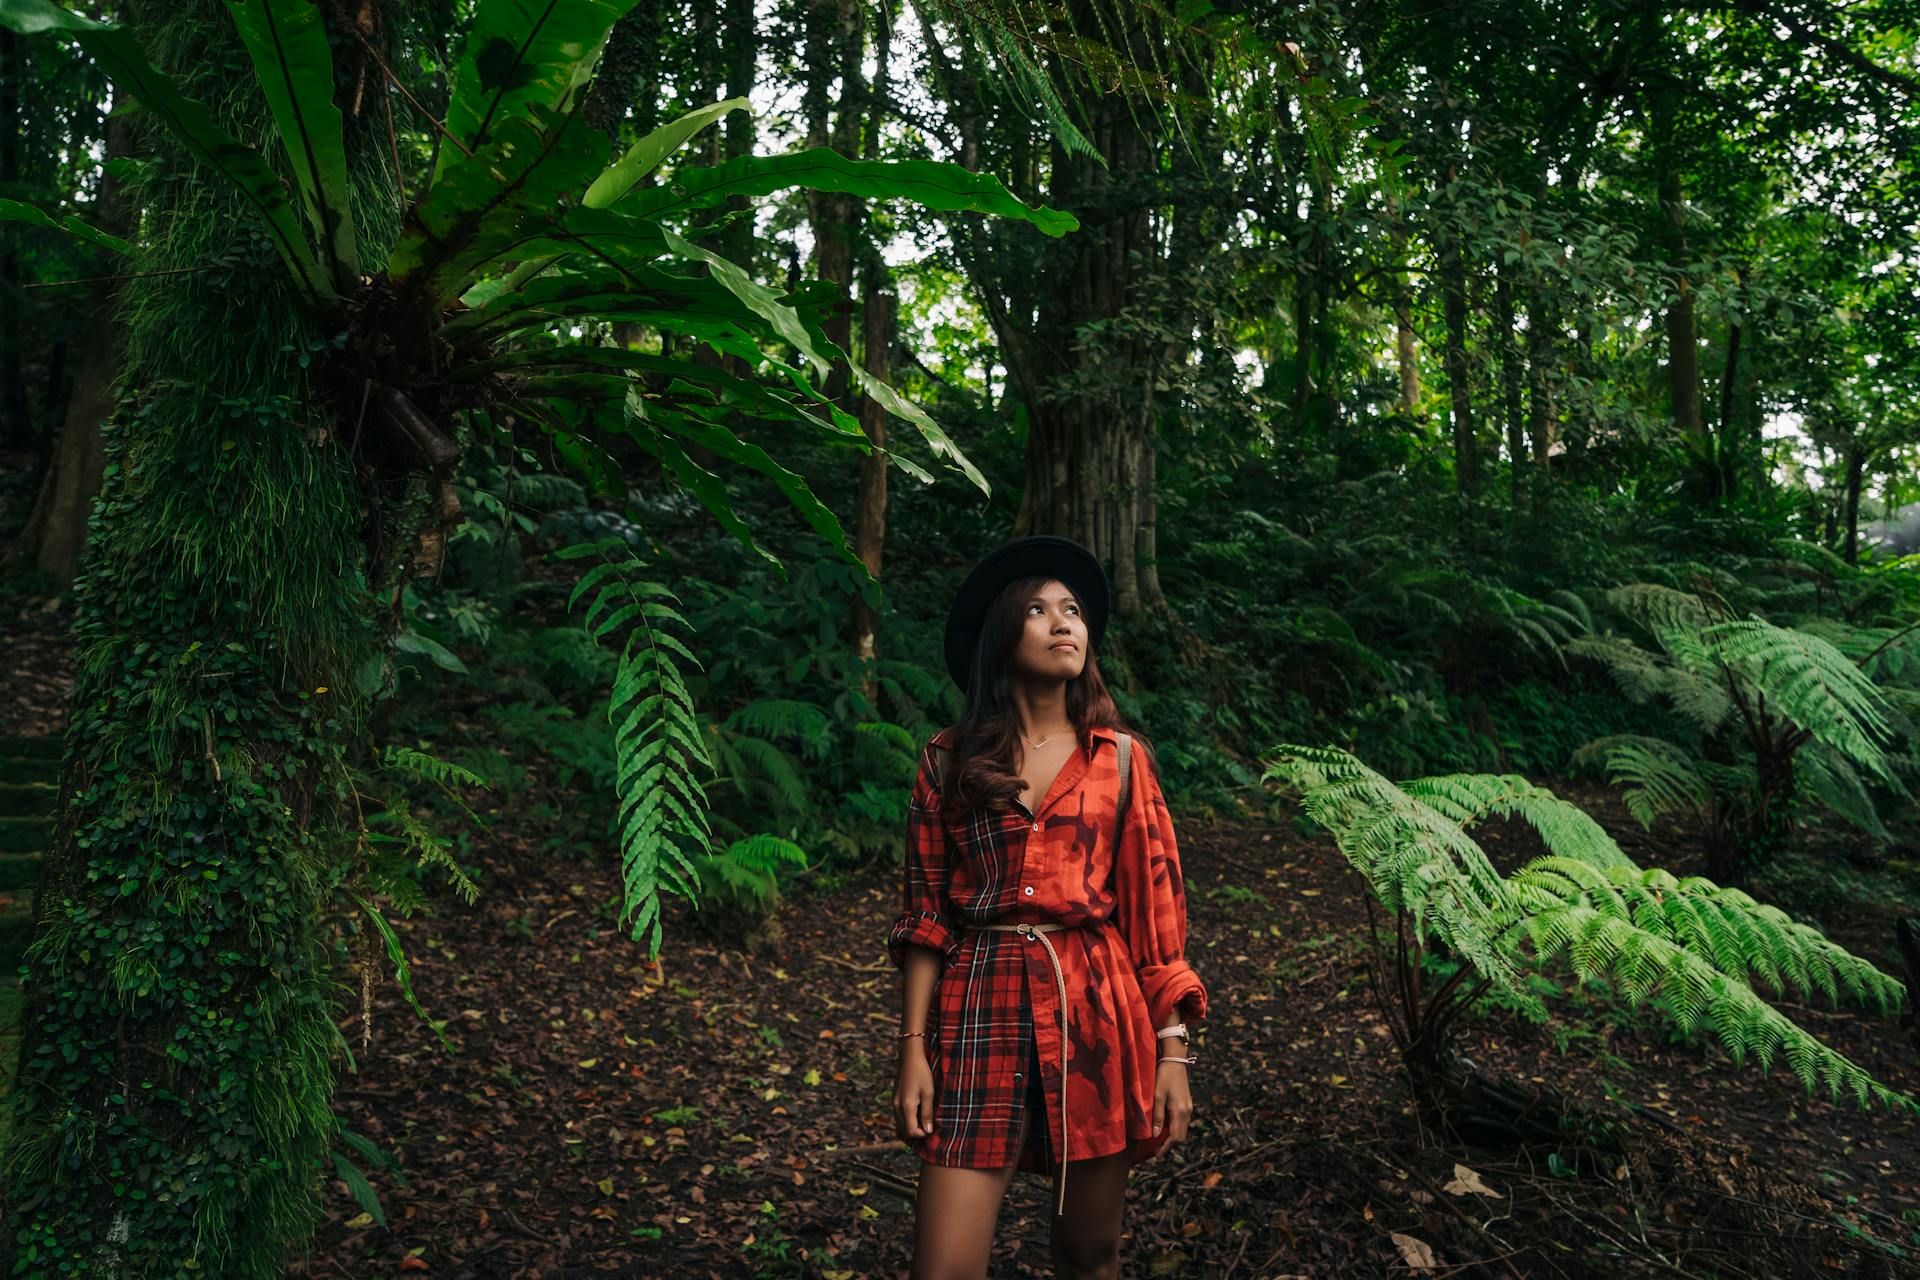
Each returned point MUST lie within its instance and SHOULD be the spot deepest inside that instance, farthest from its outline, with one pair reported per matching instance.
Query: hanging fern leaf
(657, 736)
(1633, 669)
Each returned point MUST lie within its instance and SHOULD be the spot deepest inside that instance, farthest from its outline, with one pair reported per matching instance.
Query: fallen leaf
(1466, 1180)
(1415, 1253)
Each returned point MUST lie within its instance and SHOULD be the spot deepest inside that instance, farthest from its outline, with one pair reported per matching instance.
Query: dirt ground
(725, 1113)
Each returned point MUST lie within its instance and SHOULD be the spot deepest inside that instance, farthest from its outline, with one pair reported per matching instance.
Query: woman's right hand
(913, 1093)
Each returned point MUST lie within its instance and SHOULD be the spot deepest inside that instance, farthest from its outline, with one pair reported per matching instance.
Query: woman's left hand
(1172, 1104)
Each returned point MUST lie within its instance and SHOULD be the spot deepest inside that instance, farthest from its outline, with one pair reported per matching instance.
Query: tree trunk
(725, 63)
(1731, 480)
(1856, 459)
(870, 532)
(57, 527)
(626, 82)
(1084, 445)
(1405, 350)
(16, 412)
(1453, 300)
(1683, 346)
(834, 45)
(1091, 405)
(1543, 414)
(179, 1026)
(1509, 340)
(877, 325)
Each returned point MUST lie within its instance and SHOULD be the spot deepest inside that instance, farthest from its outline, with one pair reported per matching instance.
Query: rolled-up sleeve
(1151, 902)
(926, 916)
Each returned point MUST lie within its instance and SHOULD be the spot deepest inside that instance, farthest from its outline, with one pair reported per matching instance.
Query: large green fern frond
(1604, 946)
(1695, 682)
(657, 737)
(420, 764)
(1573, 606)
(749, 763)
(1693, 944)
(1810, 683)
(1417, 860)
(911, 684)
(806, 722)
(1891, 655)
(1735, 933)
(1566, 829)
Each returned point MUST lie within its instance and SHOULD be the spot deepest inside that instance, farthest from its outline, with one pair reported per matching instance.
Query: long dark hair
(986, 737)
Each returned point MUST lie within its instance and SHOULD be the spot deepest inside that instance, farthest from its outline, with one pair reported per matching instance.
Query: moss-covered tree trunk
(179, 1038)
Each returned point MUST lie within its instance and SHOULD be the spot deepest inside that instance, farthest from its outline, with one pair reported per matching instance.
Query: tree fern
(1810, 683)
(1417, 859)
(1830, 776)
(657, 739)
(1694, 944)
(1762, 691)
(1565, 829)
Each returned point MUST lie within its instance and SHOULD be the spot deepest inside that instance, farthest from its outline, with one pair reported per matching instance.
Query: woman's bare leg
(1086, 1238)
(955, 1213)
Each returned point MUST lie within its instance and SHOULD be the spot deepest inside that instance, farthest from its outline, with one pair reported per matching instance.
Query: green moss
(179, 1041)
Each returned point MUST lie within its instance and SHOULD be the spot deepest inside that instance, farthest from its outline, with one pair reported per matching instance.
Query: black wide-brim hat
(1046, 553)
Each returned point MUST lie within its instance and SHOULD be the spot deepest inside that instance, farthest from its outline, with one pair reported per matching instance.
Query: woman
(1043, 930)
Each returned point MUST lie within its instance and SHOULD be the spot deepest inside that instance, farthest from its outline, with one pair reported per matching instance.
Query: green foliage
(657, 738)
(287, 40)
(1777, 713)
(114, 47)
(1697, 945)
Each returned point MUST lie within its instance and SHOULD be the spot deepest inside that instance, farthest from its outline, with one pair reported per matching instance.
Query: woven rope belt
(1040, 931)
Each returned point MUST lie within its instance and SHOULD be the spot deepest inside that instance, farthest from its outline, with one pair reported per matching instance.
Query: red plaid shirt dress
(1125, 966)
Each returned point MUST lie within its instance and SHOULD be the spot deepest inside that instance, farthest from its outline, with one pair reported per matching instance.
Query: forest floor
(726, 1112)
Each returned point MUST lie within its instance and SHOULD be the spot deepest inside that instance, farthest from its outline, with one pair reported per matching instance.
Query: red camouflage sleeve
(1152, 902)
(926, 915)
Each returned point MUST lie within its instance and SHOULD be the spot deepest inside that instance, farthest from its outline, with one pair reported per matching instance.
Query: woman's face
(1053, 643)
